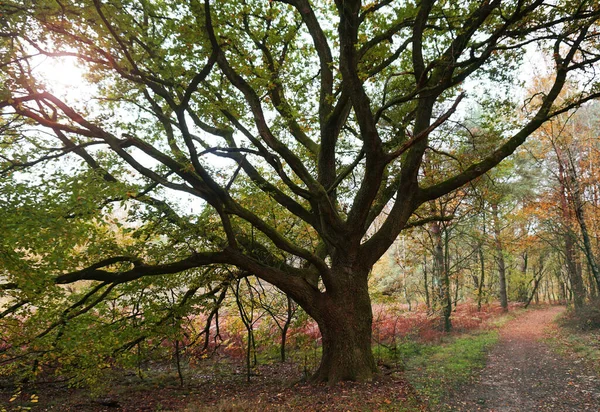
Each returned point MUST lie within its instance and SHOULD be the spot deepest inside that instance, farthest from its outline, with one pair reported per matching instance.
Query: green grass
(434, 370)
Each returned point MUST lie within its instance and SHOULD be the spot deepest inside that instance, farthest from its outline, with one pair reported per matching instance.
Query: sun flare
(63, 77)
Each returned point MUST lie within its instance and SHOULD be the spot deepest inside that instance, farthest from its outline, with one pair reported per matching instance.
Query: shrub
(585, 318)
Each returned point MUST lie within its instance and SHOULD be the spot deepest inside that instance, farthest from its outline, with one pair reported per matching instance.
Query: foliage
(584, 319)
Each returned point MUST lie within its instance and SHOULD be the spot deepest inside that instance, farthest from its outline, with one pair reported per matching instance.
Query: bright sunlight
(62, 76)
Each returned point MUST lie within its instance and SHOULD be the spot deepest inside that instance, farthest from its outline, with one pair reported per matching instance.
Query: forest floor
(525, 372)
(529, 365)
(272, 388)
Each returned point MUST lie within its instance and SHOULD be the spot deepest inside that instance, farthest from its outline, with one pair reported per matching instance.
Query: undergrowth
(578, 334)
(408, 347)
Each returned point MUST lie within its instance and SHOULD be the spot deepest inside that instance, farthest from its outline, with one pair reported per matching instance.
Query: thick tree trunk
(345, 319)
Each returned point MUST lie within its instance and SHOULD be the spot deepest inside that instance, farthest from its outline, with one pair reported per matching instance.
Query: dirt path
(523, 374)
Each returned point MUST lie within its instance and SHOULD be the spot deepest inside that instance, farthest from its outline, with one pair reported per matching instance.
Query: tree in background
(570, 149)
(202, 113)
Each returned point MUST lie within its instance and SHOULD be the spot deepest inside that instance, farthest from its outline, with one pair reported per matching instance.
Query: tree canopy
(261, 137)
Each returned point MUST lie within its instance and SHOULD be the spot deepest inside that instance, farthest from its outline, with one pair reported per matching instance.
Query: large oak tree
(295, 124)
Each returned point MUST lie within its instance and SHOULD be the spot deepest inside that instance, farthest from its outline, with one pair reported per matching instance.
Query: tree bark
(500, 259)
(345, 319)
(580, 214)
(573, 269)
(440, 267)
(536, 283)
(482, 279)
(481, 264)
(426, 283)
(286, 326)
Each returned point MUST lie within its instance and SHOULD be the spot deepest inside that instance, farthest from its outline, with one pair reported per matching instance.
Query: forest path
(524, 374)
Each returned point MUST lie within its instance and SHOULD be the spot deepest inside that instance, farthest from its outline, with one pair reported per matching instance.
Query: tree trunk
(482, 279)
(345, 319)
(589, 253)
(407, 296)
(426, 283)
(574, 270)
(563, 292)
(500, 259)
(286, 326)
(440, 270)
(536, 283)
(593, 286)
